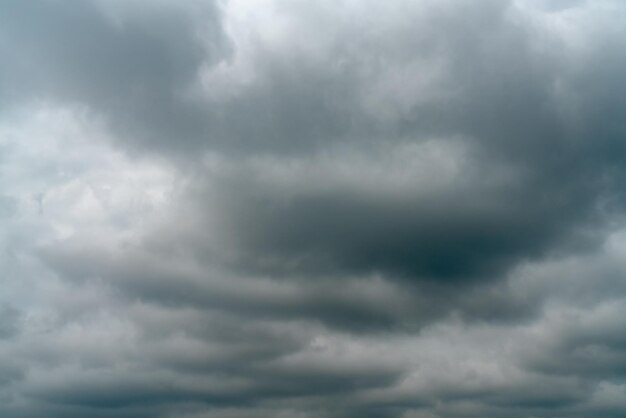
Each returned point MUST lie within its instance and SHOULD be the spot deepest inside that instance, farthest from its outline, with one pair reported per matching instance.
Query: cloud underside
(297, 209)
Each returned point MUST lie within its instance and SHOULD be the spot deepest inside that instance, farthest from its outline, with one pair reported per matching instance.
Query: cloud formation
(312, 209)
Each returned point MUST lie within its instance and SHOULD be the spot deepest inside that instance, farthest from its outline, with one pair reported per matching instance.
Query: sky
(312, 209)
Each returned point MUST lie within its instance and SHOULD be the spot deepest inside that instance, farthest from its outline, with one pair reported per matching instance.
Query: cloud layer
(312, 209)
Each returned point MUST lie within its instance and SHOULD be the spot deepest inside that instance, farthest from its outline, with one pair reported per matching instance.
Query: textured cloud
(312, 209)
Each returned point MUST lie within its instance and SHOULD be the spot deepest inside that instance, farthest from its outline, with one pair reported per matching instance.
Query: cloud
(129, 66)
(296, 209)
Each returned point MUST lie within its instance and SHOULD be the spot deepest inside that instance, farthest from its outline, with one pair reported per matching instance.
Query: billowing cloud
(312, 209)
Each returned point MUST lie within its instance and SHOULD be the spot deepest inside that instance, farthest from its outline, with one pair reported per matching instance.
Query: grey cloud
(214, 361)
(355, 303)
(456, 236)
(377, 209)
(360, 304)
(132, 72)
(499, 90)
(591, 345)
(498, 93)
(9, 321)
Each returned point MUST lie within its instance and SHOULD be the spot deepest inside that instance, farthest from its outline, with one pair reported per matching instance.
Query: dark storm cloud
(458, 235)
(376, 209)
(193, 359)
(131, 68)
(508, 105)
(357, 305)
(353, 303)
(493, 86)
(464, 232)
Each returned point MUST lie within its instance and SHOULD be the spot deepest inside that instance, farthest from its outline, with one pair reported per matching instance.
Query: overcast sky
(312, 208)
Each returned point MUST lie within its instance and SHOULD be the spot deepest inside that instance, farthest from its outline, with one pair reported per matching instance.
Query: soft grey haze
(312, 208)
